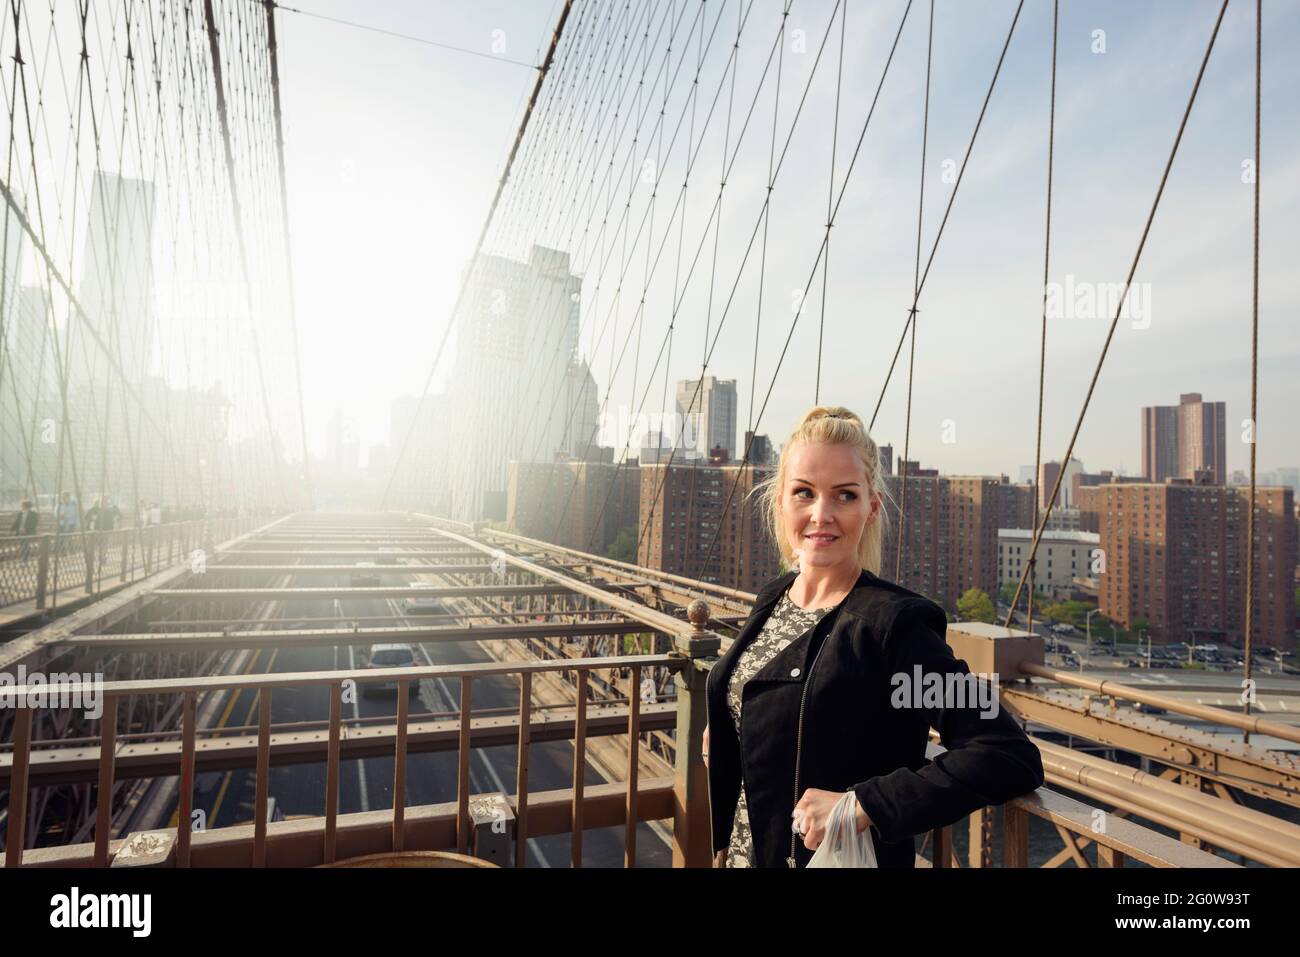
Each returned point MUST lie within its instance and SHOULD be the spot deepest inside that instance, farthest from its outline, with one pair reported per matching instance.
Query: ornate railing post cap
(698, 613)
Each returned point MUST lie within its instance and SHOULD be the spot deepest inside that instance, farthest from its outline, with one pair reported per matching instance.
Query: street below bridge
(227, 797)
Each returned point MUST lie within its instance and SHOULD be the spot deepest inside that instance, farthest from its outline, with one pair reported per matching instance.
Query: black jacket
(25, 522)
(852, 736)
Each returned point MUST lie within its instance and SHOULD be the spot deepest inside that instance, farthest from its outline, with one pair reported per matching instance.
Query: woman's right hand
(705, 749)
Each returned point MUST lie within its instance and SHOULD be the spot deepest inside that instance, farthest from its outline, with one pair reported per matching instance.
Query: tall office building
(111, 347)
(30, 412)
(760, 449)
(1047, 476)
(886, 459)
(709, 406)
(116, 288)
(1178, 440)
(580, 426)
(514, 393)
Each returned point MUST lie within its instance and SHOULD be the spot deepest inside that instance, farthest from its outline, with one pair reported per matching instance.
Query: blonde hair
(830, 425)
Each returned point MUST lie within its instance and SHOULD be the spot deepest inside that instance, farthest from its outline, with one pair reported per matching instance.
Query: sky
(393, 150)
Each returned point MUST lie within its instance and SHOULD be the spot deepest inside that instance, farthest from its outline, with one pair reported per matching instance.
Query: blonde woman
(804, 705)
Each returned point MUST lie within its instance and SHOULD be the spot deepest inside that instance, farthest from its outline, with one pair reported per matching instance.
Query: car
(423, 606)
(390, 656)
(416, 605)
(1063, 629)
(362, 578)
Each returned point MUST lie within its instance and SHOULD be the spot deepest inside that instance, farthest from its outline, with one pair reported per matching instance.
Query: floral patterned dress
(787, 623)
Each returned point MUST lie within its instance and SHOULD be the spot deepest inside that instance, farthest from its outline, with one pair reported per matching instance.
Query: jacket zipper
(798, 741)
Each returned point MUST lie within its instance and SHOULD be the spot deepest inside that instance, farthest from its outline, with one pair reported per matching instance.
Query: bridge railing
(41, 568)
(683, 799)
(16, 767)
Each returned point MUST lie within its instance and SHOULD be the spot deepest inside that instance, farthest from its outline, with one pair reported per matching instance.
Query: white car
(415, 605)
(390, 656)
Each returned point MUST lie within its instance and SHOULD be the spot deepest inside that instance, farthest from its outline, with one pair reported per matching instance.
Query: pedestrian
(108, 515)
(69, 514)
(25, 523)
(820, 653)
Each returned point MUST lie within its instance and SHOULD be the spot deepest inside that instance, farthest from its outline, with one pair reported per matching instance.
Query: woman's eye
(800, 491)
(850, 496)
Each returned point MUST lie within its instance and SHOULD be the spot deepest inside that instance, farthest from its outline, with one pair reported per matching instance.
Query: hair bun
(831, 412)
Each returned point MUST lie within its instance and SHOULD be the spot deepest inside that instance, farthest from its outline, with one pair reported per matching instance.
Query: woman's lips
(821, 541)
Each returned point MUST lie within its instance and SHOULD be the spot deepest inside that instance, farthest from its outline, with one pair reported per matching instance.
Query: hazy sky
(394, 148)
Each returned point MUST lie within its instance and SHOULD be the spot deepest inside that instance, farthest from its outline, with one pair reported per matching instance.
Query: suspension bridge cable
(404, 36)
(916, 282)
(1105, 349)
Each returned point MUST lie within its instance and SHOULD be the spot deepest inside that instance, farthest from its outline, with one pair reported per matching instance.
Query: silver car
(390, 656)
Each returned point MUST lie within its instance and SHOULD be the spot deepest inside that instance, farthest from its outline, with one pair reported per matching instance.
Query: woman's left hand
(814, 810)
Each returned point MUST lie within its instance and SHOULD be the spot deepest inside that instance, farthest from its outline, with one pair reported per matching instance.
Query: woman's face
(825, 504)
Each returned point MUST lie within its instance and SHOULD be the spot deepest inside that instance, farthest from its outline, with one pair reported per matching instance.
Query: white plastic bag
(843, 845)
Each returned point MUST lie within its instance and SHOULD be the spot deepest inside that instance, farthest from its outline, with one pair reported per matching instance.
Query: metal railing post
(90, 562)
(692, 837)
(42, 570)
(1015, 835)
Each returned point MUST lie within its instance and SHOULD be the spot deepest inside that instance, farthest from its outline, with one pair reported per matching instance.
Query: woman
(812, 673)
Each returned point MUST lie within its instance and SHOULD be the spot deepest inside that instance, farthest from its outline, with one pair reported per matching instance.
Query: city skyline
(1192, 289)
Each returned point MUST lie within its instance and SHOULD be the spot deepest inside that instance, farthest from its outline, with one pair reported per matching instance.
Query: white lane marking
(361, 762)
(356, 713)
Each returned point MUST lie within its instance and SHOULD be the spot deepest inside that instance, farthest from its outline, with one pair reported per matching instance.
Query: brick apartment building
(1175, 556)
(689, 512)
(950, 531)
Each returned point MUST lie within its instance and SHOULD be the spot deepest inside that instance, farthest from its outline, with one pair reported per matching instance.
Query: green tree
(1007, 592)
(975, 605)
(1054, 610)
(623, 547)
